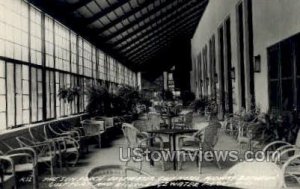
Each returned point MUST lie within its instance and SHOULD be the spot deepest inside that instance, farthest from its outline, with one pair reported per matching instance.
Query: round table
(172, 138)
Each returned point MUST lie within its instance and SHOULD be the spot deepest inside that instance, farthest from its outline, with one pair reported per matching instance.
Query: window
(73, 53)
(62, 47)
(49, 42)
(28, 90)
(227, 42)
(50, 84)
(36, 95)
(284, 74)
(221, 67)
(87, 58)
(241, 54)
(14, 29)
(3, 101)
(101, 65)
(80, 56)
(94, 62)
(35, 36)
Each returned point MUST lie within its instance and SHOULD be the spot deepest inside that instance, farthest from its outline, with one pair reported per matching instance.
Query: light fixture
(257, 64)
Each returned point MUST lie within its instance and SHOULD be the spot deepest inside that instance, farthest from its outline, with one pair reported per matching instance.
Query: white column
(165, 80)
(139, 80)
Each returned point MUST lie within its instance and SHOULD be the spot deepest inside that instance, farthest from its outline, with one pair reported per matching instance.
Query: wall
(214, 16)
(273, 21)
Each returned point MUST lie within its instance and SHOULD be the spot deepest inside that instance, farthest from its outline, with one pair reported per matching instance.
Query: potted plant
(98, 100)
(69, 94)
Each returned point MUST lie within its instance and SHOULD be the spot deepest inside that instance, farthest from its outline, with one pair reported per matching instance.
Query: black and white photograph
(148, 94)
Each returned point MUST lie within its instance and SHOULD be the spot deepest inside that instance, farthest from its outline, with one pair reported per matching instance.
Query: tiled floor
(110, 155)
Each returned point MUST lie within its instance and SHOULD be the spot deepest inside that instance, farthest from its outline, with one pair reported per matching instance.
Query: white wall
(214, 16)
(273, 21)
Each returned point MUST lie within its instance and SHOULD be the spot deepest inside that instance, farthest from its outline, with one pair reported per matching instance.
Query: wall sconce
(257, 63)
(216, 78)
(232, 73)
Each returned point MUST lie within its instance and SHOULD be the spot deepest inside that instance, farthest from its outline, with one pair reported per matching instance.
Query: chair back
(189, 119)
(92, 127)
(259, 174)
(297, 142)
(36, 134)
(154, 120)
(211, 134)
(130, 134)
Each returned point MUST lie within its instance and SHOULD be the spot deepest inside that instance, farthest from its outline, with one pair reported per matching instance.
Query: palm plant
(130, 97)
(98, 100)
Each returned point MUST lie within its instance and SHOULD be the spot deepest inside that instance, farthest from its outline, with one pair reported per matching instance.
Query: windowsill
(4, 132)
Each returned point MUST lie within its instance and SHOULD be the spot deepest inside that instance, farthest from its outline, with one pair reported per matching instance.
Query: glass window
(50, 94)
(2, 96)
(62, 47)
(49, 41)
(101, 65)
(87, 58)
(35, 36)
(14, 29)
(73, 53)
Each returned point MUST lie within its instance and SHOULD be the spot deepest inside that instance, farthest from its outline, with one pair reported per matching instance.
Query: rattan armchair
(201, 141)
(68, 144)
(7, 180)
(45, 151)
(141, 140)
(25, 160)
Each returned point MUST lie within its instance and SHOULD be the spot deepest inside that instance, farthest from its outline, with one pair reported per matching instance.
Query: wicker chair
(25, 160)
(201, 141)
(154, 120)
(7, 180)
(141, 140)
(265, 175)
(185, 121)
(45, 151)
(69, 144)
(281, 151)
(93, 128)
(291, 170)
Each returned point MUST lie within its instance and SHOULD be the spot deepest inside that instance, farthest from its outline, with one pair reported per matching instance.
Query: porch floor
(110, 155)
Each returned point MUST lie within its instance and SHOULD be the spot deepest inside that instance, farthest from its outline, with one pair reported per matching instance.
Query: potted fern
(69, 94)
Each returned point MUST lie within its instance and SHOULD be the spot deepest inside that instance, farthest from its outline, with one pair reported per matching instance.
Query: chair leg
(51, 168)
(99, 140)
(34, 178)
(163, 164)
(199, 163)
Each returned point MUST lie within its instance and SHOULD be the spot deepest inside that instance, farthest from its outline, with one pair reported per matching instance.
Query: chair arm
(73, 141)
(22, 150)
(34, 159)
(273, 143)
(284, 147)
(181, 139)
(277, 156)
(161, 143)
(10, 161)
(145, 134)
(288, 162)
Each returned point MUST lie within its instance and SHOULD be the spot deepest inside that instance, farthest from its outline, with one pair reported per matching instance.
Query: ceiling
(135, 32)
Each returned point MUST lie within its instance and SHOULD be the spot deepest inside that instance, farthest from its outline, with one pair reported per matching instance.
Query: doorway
(284, 75)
